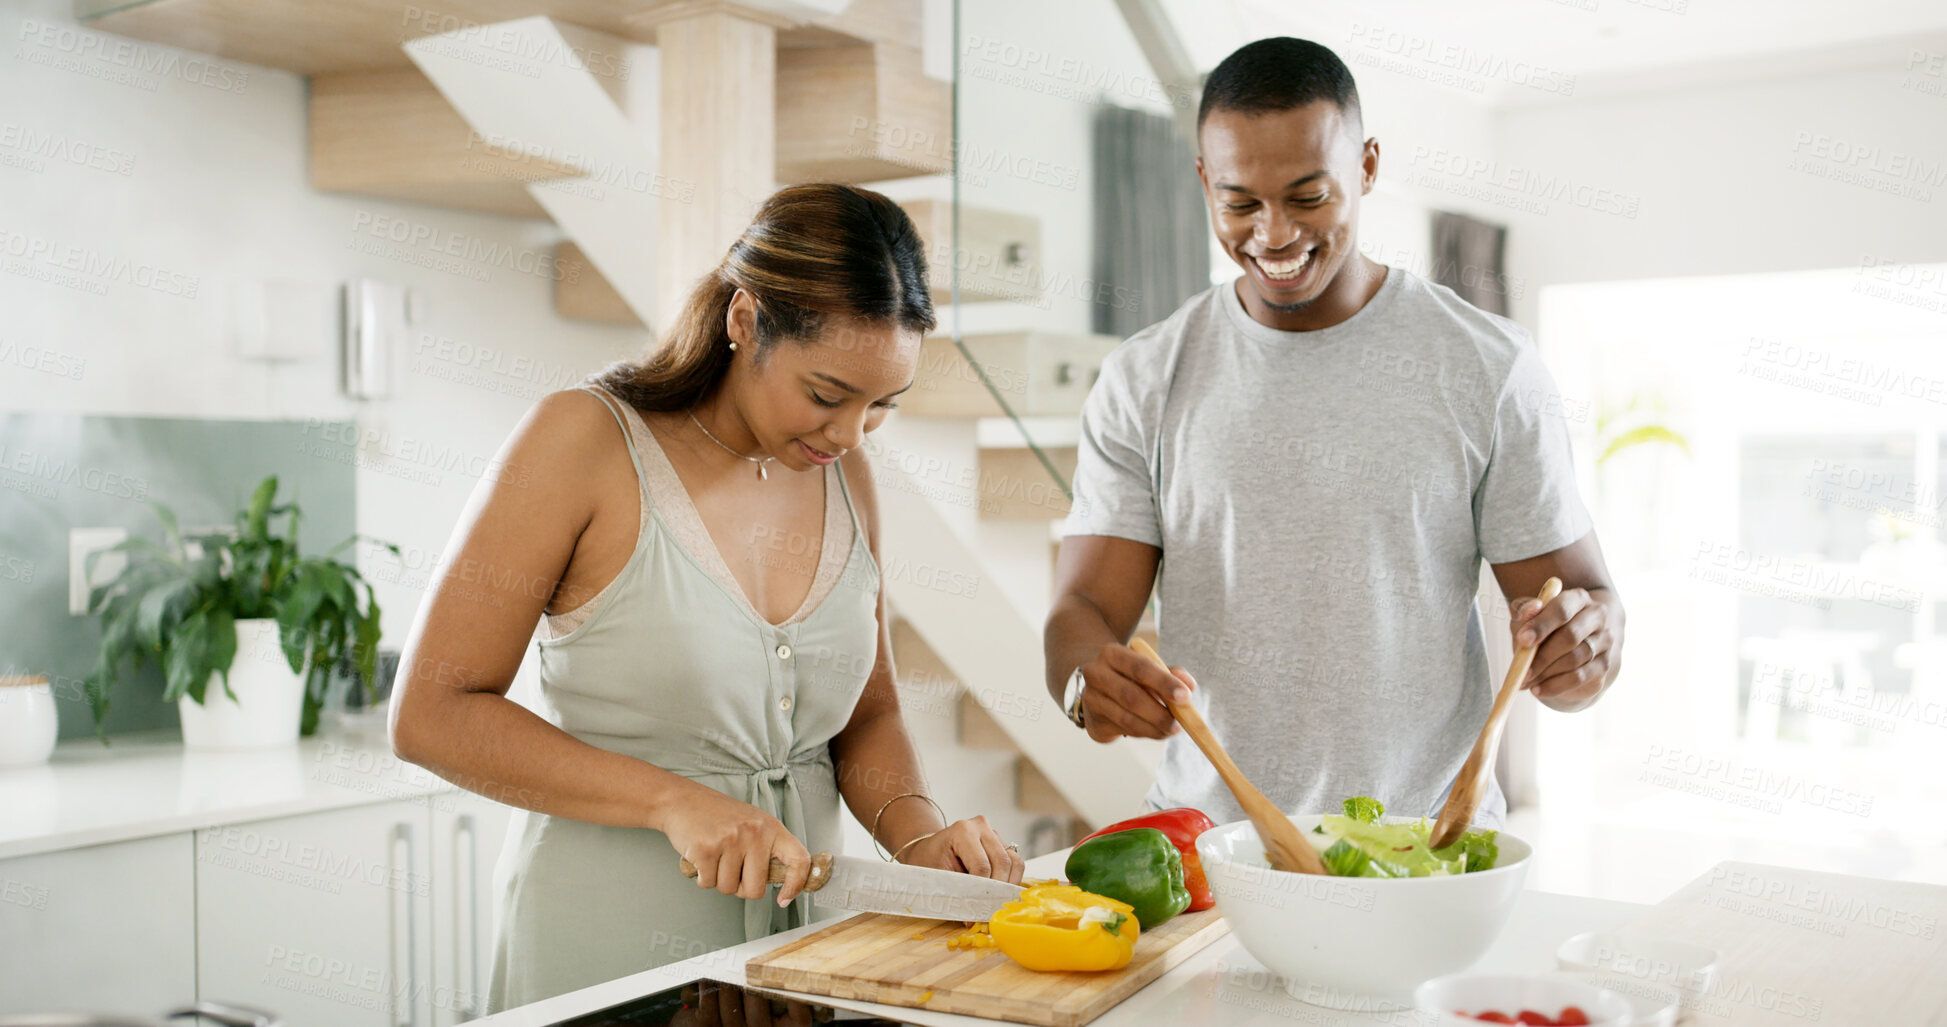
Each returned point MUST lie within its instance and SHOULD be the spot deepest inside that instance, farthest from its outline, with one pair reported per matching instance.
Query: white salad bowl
(1357, 942)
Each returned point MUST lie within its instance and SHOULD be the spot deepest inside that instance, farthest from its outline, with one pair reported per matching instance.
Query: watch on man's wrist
(1071, 700)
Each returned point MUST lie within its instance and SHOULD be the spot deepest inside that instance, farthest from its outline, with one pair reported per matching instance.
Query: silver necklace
(762, 475)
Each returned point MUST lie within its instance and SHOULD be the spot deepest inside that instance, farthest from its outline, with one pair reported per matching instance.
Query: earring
(733, 347)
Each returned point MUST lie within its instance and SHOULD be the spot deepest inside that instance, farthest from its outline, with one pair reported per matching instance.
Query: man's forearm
(1076, 631)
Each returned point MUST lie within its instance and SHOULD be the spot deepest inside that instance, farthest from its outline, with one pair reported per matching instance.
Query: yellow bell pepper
(1061, 927)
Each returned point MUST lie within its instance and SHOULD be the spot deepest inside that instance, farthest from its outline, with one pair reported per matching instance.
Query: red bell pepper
(1181, 826)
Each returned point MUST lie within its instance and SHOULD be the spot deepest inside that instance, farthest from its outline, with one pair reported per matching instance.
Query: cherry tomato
(1572, 1016)
(1490, 1016)
(1534, 1019)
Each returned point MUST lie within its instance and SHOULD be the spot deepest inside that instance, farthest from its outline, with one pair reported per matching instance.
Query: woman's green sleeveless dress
(675, 667)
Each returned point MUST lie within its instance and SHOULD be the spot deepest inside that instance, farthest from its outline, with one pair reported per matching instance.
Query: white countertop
(1220, 985)
(140, 786)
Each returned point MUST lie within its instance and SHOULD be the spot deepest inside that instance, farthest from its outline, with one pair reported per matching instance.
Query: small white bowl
(1651, 1005)
(1511, 993)
(1665, 962)
(1357, 942)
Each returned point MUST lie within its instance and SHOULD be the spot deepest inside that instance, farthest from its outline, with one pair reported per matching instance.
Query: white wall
(201, 186)
(1410, 119)
(1716, 173)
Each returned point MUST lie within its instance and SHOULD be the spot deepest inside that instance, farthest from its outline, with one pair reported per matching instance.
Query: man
(1310, 463)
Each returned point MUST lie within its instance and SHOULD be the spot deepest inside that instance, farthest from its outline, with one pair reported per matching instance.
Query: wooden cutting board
(1805, 947)
(902, 961)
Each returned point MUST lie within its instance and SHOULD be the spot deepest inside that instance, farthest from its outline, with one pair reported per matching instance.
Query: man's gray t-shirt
(1323, 501)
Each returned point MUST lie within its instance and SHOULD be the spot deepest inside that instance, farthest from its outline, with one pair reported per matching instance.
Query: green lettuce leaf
(1364, 849)
(1364, 809)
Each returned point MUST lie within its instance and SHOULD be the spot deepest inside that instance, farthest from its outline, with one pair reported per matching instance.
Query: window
(1784, 692)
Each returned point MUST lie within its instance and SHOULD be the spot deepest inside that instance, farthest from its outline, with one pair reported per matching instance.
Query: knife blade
(872, 886)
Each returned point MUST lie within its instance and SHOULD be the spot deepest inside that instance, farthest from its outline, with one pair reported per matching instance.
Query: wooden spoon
(1284, 844)
(1471, 786)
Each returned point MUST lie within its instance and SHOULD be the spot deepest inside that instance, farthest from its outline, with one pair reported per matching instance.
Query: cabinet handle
(402, 833)
(466, 959)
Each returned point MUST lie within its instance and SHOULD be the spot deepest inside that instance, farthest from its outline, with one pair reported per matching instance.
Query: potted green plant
(244, 607)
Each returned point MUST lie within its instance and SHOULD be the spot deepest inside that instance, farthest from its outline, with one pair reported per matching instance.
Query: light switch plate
(81, 542)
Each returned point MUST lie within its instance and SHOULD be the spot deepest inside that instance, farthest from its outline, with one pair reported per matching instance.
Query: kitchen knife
(872, 886)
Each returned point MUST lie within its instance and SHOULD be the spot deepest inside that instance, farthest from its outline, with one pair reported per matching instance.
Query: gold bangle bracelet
(902, 849)
(879, 846)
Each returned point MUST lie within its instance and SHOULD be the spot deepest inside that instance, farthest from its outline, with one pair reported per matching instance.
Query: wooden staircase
(311, 38)
(996, 257)
(405, 107)
(1037, 380)
(1034, 373)
(860, 112)
(390, 134)
(922, 672)
(740, 97)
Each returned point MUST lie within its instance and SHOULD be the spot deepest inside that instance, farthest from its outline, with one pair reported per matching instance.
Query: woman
(700, 531)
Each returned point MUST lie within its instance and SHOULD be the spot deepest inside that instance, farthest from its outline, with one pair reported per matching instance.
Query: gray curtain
(1469, 258)
(1152, 238)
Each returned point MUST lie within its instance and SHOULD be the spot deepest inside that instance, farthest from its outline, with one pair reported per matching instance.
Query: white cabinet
(468, 831)
(323, 918)
(107, 928)
(378, 915)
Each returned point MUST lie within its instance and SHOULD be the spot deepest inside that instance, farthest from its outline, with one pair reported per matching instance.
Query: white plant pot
(28, 724)
(269, 702)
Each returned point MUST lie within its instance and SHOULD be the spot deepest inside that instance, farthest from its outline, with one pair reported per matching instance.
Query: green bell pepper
(1140, 866)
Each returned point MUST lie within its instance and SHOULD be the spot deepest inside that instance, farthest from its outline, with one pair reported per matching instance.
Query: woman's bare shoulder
(857, 465)
(566, 445)
(570, 414)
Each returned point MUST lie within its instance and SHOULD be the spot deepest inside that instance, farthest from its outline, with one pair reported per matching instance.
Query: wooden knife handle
(821, 870)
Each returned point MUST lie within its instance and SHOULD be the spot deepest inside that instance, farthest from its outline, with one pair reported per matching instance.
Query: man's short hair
(1278, 74)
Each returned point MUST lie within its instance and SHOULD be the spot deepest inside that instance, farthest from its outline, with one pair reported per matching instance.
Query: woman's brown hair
(814, 252)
